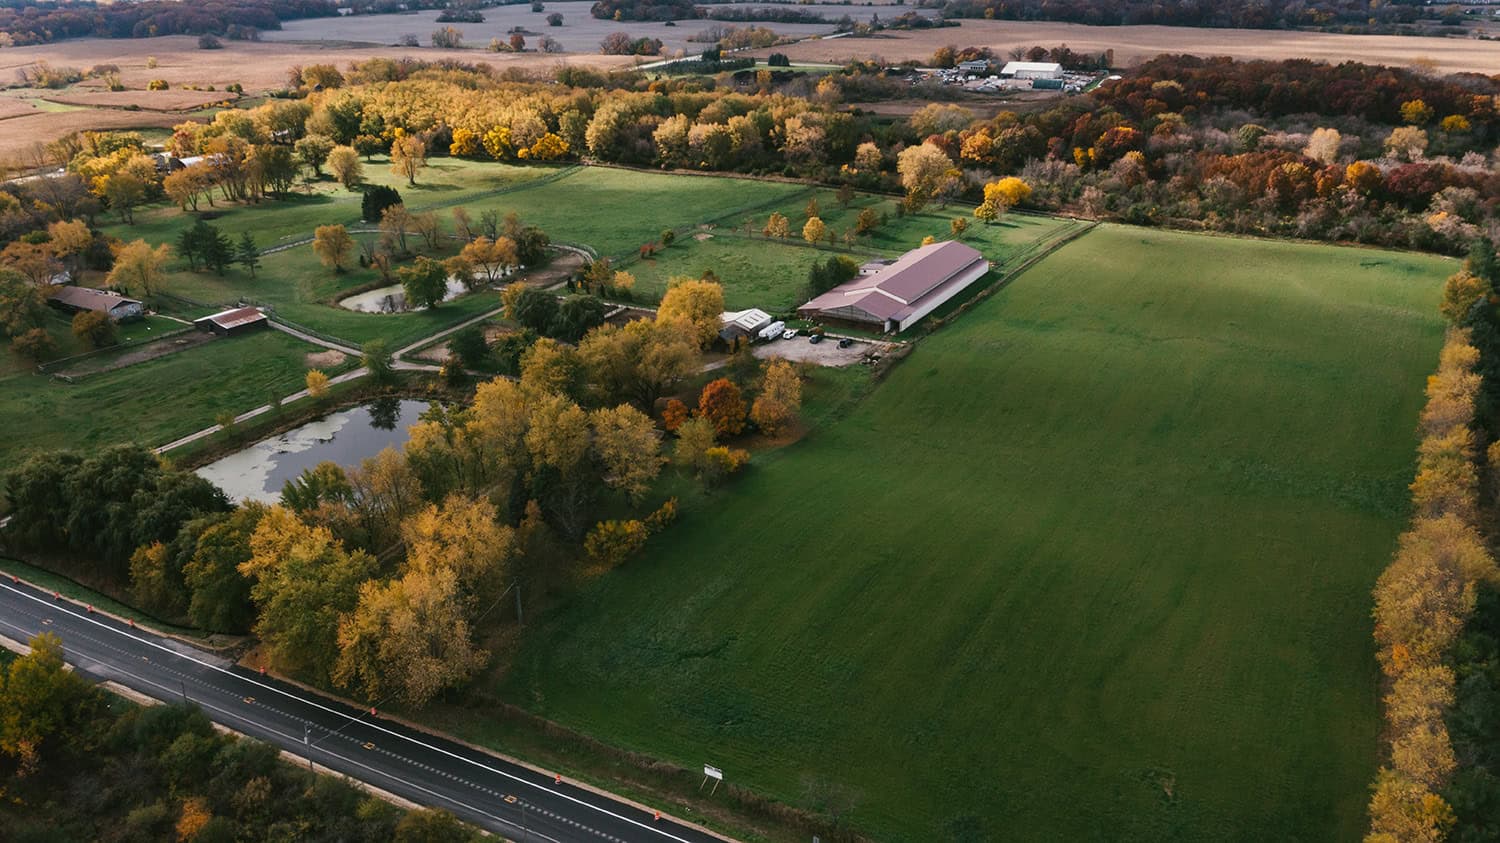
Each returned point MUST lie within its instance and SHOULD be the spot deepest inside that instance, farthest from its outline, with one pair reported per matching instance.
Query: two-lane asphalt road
(507, 798)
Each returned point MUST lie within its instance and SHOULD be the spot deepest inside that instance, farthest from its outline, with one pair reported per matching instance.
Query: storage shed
(230, 323)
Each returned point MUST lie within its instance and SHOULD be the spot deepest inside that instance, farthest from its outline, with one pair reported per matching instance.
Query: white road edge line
(455, 756)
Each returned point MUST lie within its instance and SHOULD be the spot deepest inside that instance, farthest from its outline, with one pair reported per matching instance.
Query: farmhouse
(899, 295)
(79, 299)
(1032, 70)
(228, 323)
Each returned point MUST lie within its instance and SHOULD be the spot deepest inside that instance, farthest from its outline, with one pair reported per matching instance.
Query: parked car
(845, 342)
(815, 339)
(789, 333)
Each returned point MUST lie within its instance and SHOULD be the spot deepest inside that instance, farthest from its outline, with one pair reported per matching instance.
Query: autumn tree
(333, 245)
(927, 174)
(45, 707)
(1460, 292)
(425, 282)
(313, 151)
(549, 368)
(699, 303)
(343, 162)
(780, 397)
(462, 535)
(814, 230)
(722, 404)
(492, 258)
(95, 329)
(69, 240)
(1323, 145)
(558, 441)
(124, 191)
(317, 384)
(638, 361)
(138, 268)
(777, 226)
(610, 543)
(303, 581)
(409, 638)
(33, 261)
(408, 157)
(628, 447)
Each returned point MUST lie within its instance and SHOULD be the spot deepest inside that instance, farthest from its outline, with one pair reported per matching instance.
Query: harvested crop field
(580, 32)
(1134, 43)
(143, 99)
(1093, 563)
(259, 66)
(20, 133)
(15, 107)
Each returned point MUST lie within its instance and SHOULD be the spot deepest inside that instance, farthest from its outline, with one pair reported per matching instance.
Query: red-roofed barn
(899, 295)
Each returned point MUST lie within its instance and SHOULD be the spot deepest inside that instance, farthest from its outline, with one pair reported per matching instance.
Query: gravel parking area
(825, 353)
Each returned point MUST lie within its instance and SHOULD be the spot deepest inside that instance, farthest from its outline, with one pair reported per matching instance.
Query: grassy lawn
(616, 211)
(1093, 564)
(153, 402)
(754, 272)
(443, 182)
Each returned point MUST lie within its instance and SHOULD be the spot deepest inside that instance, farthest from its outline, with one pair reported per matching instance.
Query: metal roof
(896, 288)
(234, 318)
(87, 298)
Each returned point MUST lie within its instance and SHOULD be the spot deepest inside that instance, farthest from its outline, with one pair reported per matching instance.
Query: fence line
(63, 362)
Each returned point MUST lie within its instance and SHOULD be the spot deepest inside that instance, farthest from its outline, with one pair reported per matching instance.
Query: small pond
(392, 299)
(347, 437)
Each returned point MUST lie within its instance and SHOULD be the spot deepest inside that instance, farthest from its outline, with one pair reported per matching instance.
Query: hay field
(1092, 564)
(1134, 43)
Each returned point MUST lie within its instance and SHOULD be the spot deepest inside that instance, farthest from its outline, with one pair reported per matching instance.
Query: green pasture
(153, 402)
(1094, 563)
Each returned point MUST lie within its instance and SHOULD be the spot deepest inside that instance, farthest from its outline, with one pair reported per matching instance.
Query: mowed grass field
(154, 402)
(1092, 564)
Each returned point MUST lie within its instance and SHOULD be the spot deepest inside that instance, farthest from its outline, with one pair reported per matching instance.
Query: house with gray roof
(78, 299)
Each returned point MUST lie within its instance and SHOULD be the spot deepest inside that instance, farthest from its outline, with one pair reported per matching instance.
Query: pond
(347, 437)
(392, 299)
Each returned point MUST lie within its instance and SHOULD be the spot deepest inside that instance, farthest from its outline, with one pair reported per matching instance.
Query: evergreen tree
(247, 254)
(217, 249)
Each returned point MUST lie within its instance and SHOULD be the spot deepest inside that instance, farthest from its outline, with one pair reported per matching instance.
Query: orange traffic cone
(658, 815)
(91, 608)
(559, 779)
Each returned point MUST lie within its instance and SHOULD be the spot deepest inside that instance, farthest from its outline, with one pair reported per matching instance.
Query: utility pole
(307, 742)
(183, 683)
(519, 621)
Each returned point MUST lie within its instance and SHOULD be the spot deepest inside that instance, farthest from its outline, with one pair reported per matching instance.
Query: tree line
(1437, 605)
(78, 764)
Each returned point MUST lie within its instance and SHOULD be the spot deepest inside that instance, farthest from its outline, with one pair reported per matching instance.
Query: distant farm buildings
(79, 299)
(895, 297)
(1031, 70)
(232, 322)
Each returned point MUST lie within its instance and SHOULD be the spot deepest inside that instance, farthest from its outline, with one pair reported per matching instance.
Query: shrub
(376, 200)
(157, 85)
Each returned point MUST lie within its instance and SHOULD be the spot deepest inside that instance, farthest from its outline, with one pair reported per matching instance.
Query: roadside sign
(711, 772)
